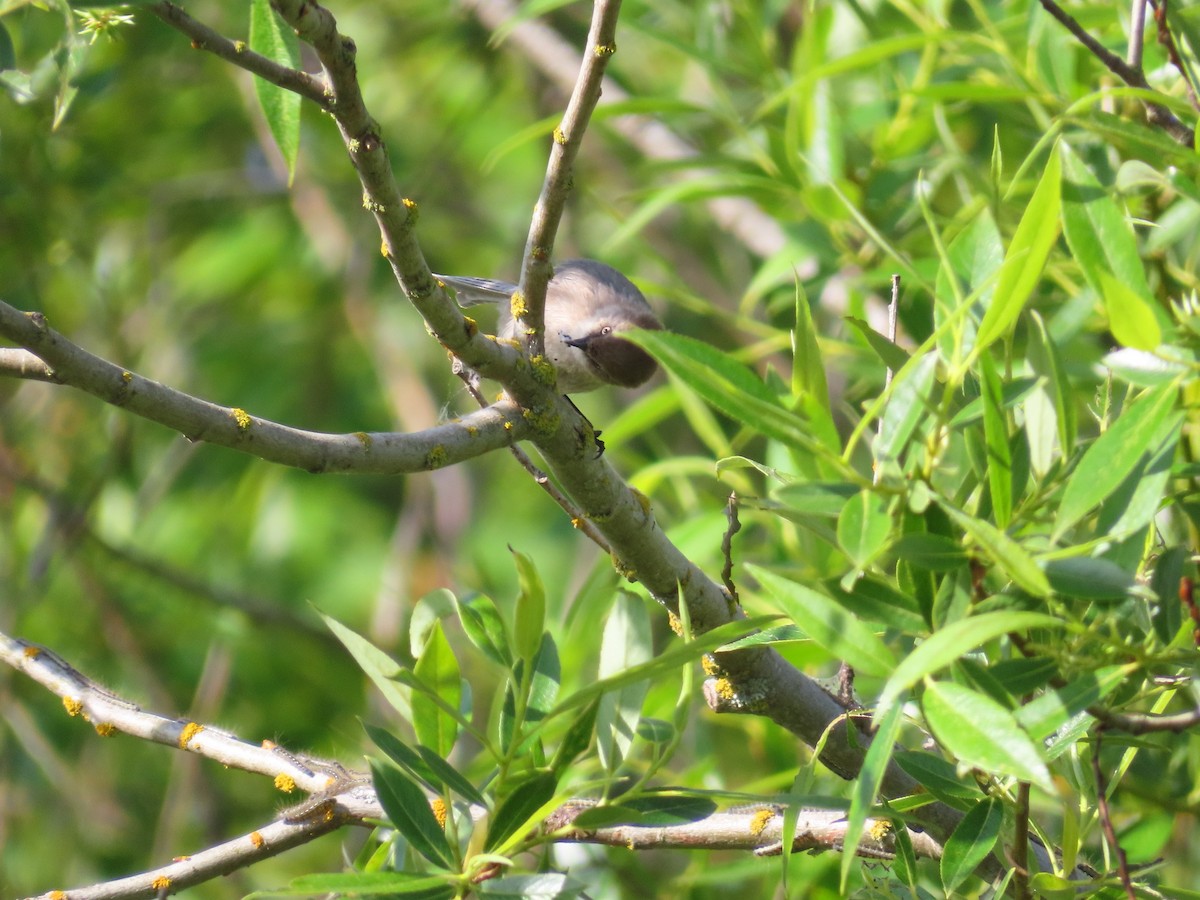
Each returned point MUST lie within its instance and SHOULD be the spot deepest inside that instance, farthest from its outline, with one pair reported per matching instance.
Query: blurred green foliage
(146, 212)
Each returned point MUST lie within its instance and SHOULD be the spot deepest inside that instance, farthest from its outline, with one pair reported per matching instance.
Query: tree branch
(198, 420)
(556, 187)
(1156, 113)
(340, 797)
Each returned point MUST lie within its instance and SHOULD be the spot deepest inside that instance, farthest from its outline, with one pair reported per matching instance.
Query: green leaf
(937, 775)
(626, 643)
(982, 733)
(408, 809)
(1113, 455)
(541, 886)
(363, 884)
(1047, 713)
(1166, 582)
(8, 54)
(484, 627)
(270, 36)
(891, 354)
(1050, 417)
(934, 552)
(975, 256)
(437, 669)
(1031, 244)
(907, 407)
(946, 645)
(531, 608)
(523, 802)
(577, 739)
(728, 386)
(377, 665)
(971, 842)
(1103, 244)
(829, 624)
(866, 786)
(1089, 578)
(1003, 550)
(669, 660)
(995, 429)
(780, 634)
(1130, 318)
(875, 600)
(540, 692)
(424, 765)
(864, 527)
(808, 369)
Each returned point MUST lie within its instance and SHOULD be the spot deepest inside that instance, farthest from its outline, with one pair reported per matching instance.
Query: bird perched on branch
(588, 306)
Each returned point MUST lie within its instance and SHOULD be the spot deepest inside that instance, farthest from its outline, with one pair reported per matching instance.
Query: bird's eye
(607, 329)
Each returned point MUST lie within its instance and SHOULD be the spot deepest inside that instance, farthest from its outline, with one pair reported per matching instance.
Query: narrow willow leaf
(271, 37)
(524, 800)
(668, 661)
(438, 670)
(1044, 359)
(892, 355)
(808, 369)
(982, 733)
(975, 255)
(1166, 582)
(1089, 578)
(864, 527)
(577, 739)
(908, 406)
(1004, 551)
(727, 386)
(542, 886)
(934, 552)
(995, 430)
(424, 765)
(484, 627)
(1130, 317)
(1047, 713)
(363, 884)
(377, 665)
(530, 619)
(866, 785)
(1103, 244)
(1031, 244)
(938, 775)
(837, 630)
(946, 645)
(626, 642)
(971, 841)
(408, 809)
(1113, 455)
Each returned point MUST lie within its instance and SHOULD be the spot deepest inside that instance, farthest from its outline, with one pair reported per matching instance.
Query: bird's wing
(473, 291)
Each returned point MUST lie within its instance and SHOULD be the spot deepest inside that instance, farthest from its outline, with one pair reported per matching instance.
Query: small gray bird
(588, 305)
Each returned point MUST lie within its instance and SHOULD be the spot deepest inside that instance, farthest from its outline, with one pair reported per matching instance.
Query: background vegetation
(1019, 473)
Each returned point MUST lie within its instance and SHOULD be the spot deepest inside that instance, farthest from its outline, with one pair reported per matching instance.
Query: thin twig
(1167, 40)
(236, 52)
(731, 513)
(1020, 844)
(578, 518)
(1137, 34)
(1106, 819)
(893, 311)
